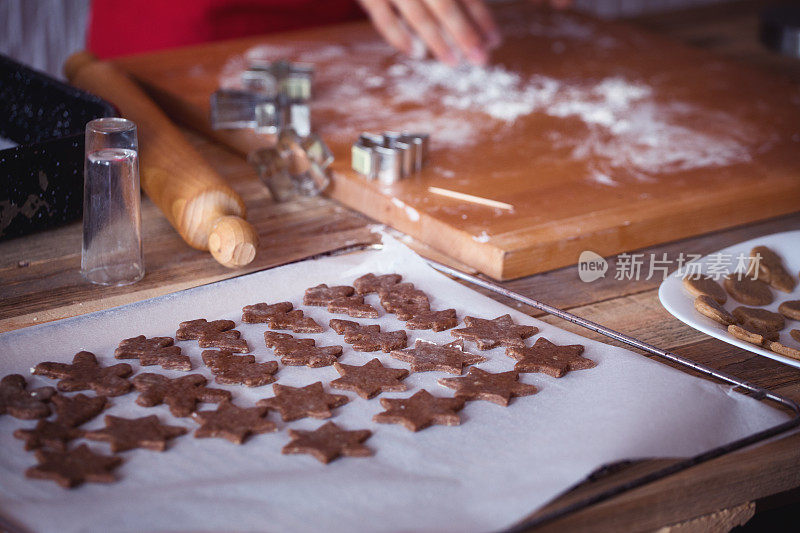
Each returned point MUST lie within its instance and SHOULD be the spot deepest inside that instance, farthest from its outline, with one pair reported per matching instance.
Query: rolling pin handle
(233, 241)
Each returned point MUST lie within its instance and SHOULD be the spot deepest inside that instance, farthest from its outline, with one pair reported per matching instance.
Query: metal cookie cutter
(296, 166)
(391, 156)
(274, 97)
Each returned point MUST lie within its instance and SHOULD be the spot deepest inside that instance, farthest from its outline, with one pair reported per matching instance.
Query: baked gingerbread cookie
(747, 290)
(86, 373)
(751, 336)
(18, 402)
(699, 285)
(498, 388)
(790, 309)
(759, 320)
(426, 356)
(73, 467)
(782, 349)
(370, 379)
(549, 358)
(708, 306)
(328, 442)
(232, 422)
(294, 403)
(181, 394)
(490, 333)
(420, 411)
(369, 338)
(154, 351)
(128, 433)
(769, 268)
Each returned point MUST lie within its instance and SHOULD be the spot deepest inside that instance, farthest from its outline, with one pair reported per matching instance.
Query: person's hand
(450, 29)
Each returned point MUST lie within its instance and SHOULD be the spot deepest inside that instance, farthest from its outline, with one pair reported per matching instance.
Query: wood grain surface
(39, 281)
(703, 150)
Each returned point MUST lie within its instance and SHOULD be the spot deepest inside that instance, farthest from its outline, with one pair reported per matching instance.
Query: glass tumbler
(112, 227)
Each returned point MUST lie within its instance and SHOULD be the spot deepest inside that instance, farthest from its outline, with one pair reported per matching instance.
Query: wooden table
(39, 281)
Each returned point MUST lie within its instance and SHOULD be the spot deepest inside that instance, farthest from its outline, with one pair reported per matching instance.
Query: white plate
(681, 304)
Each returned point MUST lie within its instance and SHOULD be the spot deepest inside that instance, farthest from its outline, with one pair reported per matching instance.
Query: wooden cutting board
(600, 136)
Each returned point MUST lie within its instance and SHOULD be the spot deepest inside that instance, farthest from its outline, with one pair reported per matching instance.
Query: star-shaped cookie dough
(425, 356)
(85, 373)
(370, 379)
(73, 467)
(53, 435)
(369, 338)
(489, 333)
(328, 442)
(73, 411)
(294, 403)
(128, 433)
(420, 411)
(549, 358)
(181, 394)
(234, 423)
(21, 403)
(482, 385)
(154, 351)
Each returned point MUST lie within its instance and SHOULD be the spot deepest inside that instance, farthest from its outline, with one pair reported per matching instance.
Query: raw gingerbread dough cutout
(294, 403)
(48, 434)
(549, 358)
(328, 442)
(322, 295)
(154, 351)
(370, 379)
(21, 403)
(301, 352)
(181, 394)
(420, 411)
(73, 411)
(73, 467)
(280, 316)
(482, 385)
(128, 433)
(435, 320)
(232, 422)
(370, 283)
(425, 356)
(369, 338)
(404, 300)
(229, 369)
(85, 373)
(214, 334)
(490, 333)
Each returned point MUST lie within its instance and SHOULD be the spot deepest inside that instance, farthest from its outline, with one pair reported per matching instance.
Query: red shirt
(120, 27)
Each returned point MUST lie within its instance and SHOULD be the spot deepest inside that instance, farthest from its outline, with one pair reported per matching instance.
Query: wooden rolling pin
(198, 203)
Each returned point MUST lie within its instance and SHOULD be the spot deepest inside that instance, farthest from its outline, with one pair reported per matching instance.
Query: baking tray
(41, 179)
(740, 386)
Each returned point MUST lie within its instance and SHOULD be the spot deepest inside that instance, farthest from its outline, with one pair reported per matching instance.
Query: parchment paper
(501, 464)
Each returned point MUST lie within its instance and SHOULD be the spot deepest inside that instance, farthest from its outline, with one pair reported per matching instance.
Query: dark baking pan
(41, 178)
